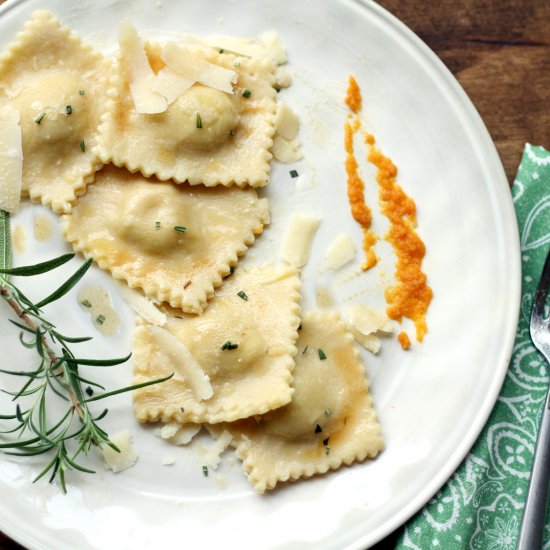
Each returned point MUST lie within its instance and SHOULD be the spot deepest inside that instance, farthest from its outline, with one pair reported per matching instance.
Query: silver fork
(534, 513)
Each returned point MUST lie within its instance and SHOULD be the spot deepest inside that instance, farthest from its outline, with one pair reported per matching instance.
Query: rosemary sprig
(56, 376)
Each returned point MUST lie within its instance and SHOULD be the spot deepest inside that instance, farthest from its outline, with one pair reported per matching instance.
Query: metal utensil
(534, 513)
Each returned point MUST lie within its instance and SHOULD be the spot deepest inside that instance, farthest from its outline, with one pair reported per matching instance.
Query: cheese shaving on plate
(186, 366)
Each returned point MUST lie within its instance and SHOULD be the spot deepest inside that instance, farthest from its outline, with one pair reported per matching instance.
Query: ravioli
(244, 342)
(330, 421)
(58, 84)
(174, 242)
(206, 136)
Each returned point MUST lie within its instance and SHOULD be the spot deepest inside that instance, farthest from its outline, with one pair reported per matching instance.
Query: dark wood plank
(499, 50)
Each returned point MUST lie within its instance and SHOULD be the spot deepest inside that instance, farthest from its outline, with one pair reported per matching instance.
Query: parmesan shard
(140, 74)
(340, 251)
(285, 150)
(370, 342)
(287, 122)
(182, 61)
(367, 320)
(274, 47)
(178, 434)
(144, 307)
(213, 453)
(11, 158)
(170, 84)
(299, 239)
(185, 365)
(118, 461)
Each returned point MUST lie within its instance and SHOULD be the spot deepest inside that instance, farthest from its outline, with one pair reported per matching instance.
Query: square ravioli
(174, 242)
(206, 136)
(59, 86)
(330, 421)
(244, 344)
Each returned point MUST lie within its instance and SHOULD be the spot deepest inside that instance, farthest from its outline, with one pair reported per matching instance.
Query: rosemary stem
(51, 355)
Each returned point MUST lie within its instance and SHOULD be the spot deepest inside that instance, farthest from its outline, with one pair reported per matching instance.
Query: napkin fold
(480, 507)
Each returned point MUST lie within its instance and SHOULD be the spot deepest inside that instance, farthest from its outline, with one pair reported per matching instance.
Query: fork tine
(539, 301)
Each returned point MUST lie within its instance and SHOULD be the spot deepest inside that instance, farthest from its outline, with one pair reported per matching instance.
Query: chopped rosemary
(328, 412)
(89, 391)
(305, 349)
(37, 426)
(318, 429)
(157, 225)
(198, 121)
(242, 295)
(100, 319)
(325, 441)
(40, 118)
(221, 50)
(247, 93)
(180, 228)
(293, 173)
(82, 145)
(86, 303)
(186, 284)
(322, 355)
(68, 110)
(205, 471)
(81, 92)
(228, 345)
(237, 63)
(327, 451)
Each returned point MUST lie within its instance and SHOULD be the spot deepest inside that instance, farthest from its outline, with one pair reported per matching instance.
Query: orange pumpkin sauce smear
(410, 296)
(356, 187)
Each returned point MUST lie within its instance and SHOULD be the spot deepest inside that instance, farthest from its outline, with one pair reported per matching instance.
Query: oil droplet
(97, 301)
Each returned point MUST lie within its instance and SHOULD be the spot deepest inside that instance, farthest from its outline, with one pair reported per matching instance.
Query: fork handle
(534, 513)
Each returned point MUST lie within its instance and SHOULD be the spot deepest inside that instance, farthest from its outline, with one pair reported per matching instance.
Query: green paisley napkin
(480, 507)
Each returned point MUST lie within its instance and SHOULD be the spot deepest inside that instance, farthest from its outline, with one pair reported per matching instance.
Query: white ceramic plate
(432, 400)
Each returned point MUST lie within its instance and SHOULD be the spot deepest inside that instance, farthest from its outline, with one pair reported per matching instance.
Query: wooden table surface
(499, 50)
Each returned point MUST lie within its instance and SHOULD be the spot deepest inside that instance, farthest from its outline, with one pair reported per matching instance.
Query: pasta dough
(173, 242)
(330, 421)
(59, 86)
(206, 135)
(245, 347)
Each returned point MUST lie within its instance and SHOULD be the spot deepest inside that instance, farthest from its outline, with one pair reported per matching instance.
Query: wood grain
(499, 50)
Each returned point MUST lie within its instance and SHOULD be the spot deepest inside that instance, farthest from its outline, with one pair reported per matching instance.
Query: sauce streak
(356, 187)
(410, 296)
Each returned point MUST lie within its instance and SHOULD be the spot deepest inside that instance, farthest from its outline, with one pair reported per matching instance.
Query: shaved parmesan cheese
(274, 47)
(186, 366)
(11, 158)
(370, 342)
(178, 434)
(299, 238)
(279, 275)
(142, 306)
(182, 61)
(367, 320)
(213, 453)
(285, 150)
(168, 460)
(127, 456)
(287, 122)
(282, 78)
(140, 73)
(340, 251)
(170, 84)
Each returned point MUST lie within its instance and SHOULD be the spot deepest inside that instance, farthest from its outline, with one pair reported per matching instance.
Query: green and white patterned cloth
(480, 507)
